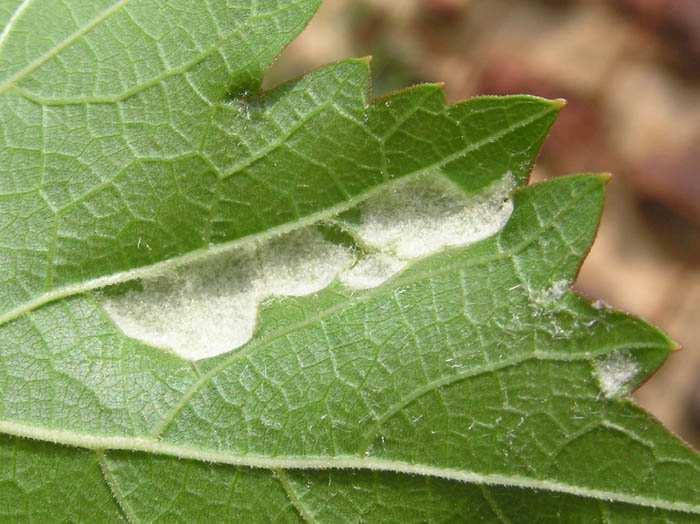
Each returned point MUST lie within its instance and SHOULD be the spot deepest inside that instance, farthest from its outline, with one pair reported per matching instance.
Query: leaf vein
(153, 446)
(294, 499)
(159, 268)
(114, 488)
(101, 17)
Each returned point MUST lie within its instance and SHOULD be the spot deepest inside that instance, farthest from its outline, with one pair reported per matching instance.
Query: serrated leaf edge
(158, 268)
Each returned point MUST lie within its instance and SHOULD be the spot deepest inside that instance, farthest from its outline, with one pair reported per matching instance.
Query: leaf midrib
(340, 462)
(203, 254)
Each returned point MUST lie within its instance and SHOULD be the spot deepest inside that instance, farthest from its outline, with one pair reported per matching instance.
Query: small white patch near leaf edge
(615, 372)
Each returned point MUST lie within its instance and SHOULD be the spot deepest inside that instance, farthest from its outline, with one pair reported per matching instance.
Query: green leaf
(412, 356)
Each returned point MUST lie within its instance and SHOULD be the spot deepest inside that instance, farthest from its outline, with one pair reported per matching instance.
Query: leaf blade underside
(117, 187)
(473, 385)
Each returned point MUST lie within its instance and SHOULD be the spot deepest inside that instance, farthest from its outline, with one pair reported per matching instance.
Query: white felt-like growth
(210, 307)
(372, 271)
(427, 215)
(615, 372)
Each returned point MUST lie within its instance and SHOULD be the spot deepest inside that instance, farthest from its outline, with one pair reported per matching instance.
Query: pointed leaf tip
(605, 177)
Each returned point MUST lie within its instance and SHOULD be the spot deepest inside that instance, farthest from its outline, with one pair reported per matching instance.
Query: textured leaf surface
(473, 385)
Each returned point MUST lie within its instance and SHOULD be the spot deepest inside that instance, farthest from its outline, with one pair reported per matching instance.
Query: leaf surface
(136, 144)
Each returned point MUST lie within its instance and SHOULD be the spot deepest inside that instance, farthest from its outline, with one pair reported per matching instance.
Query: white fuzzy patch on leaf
(210, 307)
(556, 291)
(615, 372)
(419, 218)
(372, 271)
(545, 300)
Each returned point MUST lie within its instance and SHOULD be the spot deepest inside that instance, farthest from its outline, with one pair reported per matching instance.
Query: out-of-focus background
(630, 70)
